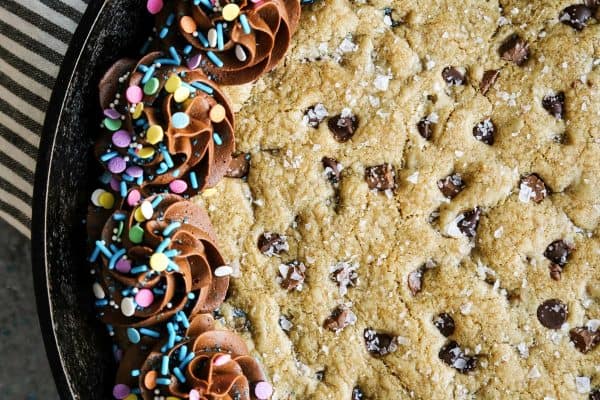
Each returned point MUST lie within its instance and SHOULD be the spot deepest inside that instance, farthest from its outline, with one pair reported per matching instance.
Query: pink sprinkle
(263, 390)
(194, 61)
(221, 360)
(154, 6)
(144, 297)
(134, 197)
(123, 265)
(121, 391)
(178, 186)
(114, 184)
(134, 94)
(194, 394)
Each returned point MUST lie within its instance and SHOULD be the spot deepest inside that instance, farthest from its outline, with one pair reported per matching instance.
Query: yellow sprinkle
(217, 113)
(106, 200)
(154, 134)
(173, 398)
(146, 152)
(131, 396)
(209, 192)
(181, 94)
(173, 83)
(137, 112)
(231, 12)
(137, 214)
(159, 262)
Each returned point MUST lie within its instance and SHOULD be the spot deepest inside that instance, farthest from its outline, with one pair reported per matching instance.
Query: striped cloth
(34, 36)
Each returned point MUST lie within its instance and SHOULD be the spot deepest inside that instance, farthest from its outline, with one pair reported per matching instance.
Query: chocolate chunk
(558, 252)
(271, 243)
(555, 104)
(555, 271)
(451, 185)
(344, 273)
(468, 224)
(319, 375)
(379, 344)
(532, 187)
(455, 357)
(357, 393)
(239, 166)
(315, 115)
(488, 80)
(415, 280)
(340, 318)
(552, 313)
(333, 169)
(445, 324)
(514, 49)
(485, 131)
(425, 128)
(343, 126)
(293, 274)
(576, 16)
(594, 5)
(584, 338)
(454, 76)
(381, 177)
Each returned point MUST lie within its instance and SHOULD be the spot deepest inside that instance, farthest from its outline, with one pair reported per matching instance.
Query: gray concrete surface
(24, 370)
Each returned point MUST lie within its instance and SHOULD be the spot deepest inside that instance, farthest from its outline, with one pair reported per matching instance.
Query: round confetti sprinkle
(133, 335)
(116, 165)
(194, 61)
(217, 113)
(146, 152)
(133, 197)
(194, 394)
(221, 360)
(231, 11)
(134, 171)
(151, 87)
(181, 94)
(98, 291)
(172, 83)
(96, 197)
(187, 23)
(178, 186)
(134, 94)
(112, 124)
(121, 391)
(112, 113)
(154, 134)
(144, 297)
(132, 396)
(114, 184)
(127, 306)
(137, 214)
(106, 200)
(121, 138)
(136, 234)
(154, 6)
(224, 270)
(150, 380)
(263, 390)
(123, 265)
(159, 262)
(147, 209)
(137, 111)
(180, 120)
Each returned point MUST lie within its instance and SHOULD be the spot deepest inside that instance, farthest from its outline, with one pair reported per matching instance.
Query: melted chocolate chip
(485, 131)
(514, 49)
(333, 169)
(315, 115)
(381, 177)
(534, 187)
(293, 274)
(555, 271)
(340, 318)
(451, 185)
(319, 375)
(357, 393)
(488, 80)
(379, 344)
(555, 104)
(454, 76)
(576, 16)
(455, 357)
(445, 324)
(415, 280)
(343, 126)
(552, 313)
(239, 166)
(468, 225)
(558, 252)
(271, 243)
(584, 338)
(425, 128)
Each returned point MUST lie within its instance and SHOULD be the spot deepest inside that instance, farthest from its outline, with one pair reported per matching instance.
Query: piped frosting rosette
(234, 41)
(206, 364)
(165, 127)
(155, 264)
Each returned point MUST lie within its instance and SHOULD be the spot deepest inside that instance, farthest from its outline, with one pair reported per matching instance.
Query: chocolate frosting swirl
(207, 364)
(163, 123)
(161, 261)
(238, 40)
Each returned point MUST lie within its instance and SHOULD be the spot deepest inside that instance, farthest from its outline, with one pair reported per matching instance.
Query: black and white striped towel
(34, 36)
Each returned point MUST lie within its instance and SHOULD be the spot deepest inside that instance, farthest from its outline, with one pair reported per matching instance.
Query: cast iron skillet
(76, 343)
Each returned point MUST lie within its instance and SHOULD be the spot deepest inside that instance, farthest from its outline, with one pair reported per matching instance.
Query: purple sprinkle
(117, 165)
(194, 61)
(121, 138)
(112, 113)
(121, 391)
(134, 171)
(123, 265)
(115, 185)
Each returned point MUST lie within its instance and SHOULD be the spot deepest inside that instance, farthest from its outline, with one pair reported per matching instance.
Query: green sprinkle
(112, 124)
(151, 87)
(136, 234)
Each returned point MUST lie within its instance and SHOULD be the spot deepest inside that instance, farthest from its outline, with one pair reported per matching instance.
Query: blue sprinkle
(191, 296)
(182, 352)
(101, 245)
(171, 252)
(148, 74)
(170, 19)
(95, 254)
(187, 360)
(216, 60)
(245, 24)
(134, 336)
(206, 3)
(135, 372)
(113, 248)
(203, 87)
(163, 381)
(184, 320)
(164, 366)
(127, 178)
(142, 68)
(171, 227)
(140, 180)
(173, 266)
(203, 40)
(136, 390)
(107, 156)
(179, 375)
(149, 332)
(162, 168)
(175, 55)
(157, 201)
(180, 120)
(220, 42)
(119, 217)
(139, 269)
(187, 49)
(166, 61)
(163, 245)
(217, 139)
(175, 173)
(189, 87)
(105, 178)
(115, 257)
(126, 292)
(144, 48)
(193, 180)
(163, 32)
(123, 187)
(101, 302)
